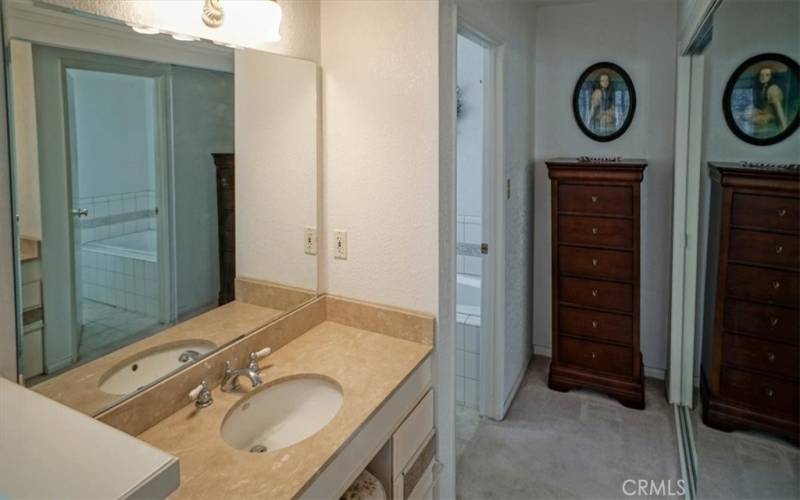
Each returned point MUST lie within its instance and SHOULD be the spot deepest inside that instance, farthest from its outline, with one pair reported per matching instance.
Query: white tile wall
(468, 330)
(123, 282)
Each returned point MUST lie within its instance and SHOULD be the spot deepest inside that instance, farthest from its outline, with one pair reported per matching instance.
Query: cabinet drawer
(595, 324)
(753, 283)
(771, 322)
(591, 199)
(595, 263)
(759, 391)
(31, 295)
(595, 231)
(409, 437)
(767, 212)
(601, 294)
(595, 356)
(763, 355)
(764, 248)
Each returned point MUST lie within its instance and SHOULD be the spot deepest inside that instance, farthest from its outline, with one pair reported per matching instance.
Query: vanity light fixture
(184, 38)
(144, 30)
(256, 16)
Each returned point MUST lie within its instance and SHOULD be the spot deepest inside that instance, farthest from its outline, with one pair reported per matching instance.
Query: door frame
(492, 346)
(59, 130)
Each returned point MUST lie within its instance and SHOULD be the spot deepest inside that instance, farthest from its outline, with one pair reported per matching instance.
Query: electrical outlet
(310, 240)
(340, 244)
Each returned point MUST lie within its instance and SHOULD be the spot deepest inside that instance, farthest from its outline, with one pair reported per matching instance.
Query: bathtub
(468, 294)
(140, 246)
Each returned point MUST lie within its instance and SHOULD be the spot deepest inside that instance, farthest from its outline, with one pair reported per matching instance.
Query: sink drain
(258, 448)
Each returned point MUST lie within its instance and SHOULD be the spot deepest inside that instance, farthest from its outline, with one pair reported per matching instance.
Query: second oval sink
(150, 365)
(282, 413)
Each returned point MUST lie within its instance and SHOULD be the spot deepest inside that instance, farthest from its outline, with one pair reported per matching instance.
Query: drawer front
(596, 356)
(762, 355)
(753, 283)
(410, 436)
(590, 199)
(601, 294)
(595, 231)
(767, 212)
(600, 325)
(764, 393)
(771, 322)
(595, 263)
(764, 248)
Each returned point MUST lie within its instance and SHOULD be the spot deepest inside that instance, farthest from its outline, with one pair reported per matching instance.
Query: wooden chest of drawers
(595, 238)
(750, 363)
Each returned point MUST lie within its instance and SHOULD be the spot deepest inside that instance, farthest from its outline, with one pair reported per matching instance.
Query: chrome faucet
(230, 381)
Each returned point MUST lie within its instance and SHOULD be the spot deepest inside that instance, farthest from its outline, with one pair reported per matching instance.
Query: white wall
(380, 150)
(203, 123)
(276, 167)
(727, 50)
(469, 129)
(641, 37)
(113, 155)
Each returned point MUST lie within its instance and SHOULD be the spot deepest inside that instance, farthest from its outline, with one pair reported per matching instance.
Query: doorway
(477, 255)
(104, 186)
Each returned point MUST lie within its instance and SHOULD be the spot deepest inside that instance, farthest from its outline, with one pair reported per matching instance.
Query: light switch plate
(310, 240)
(340, 244)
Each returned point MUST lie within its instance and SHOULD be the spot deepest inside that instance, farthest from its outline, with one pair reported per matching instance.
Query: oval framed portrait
(761, 102)
(604, 101)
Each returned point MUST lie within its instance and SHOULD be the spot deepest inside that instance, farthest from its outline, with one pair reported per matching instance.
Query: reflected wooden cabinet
(226, 214)
(595, 249)
(750, 363)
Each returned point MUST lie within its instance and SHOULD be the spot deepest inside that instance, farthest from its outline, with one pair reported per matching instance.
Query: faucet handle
(201, 395)
(255, 356)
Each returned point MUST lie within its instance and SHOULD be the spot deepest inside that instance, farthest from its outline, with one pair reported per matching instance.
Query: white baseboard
(649, 371)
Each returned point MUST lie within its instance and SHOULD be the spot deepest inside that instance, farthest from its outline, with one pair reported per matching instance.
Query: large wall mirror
(162, 187)
(744, 430)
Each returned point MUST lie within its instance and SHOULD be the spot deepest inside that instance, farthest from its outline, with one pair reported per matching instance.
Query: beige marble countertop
(78, 388)
(368, 366)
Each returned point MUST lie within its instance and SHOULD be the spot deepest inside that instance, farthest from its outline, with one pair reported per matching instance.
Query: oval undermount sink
(282, 413)
(150, 365)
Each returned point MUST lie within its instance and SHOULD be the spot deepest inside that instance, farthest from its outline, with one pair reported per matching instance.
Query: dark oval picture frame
(751, 105)
(590, 82)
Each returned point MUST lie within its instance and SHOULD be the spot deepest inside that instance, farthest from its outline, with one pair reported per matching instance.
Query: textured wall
(381, 174)
(276, 167)
(299, 29)
(643, 41)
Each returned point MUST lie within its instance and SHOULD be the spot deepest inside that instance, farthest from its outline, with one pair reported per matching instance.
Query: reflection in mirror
(138, 256)
(745, 420)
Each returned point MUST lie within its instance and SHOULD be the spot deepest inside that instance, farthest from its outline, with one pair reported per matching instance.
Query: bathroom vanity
(750, 363)
(595, 248)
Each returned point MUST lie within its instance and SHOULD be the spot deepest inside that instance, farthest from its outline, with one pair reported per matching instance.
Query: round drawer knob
(594, 356)
(594, 199)
(776, 284)
(779, 249)
(594, 262)
(594, 230)
(771, 356)
(594, 292)
(769, 392)
(594, 324)
(773, 321)
(781, 212)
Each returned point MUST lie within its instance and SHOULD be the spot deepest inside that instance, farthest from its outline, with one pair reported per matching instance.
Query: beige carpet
(744, 464)
(556, 445)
